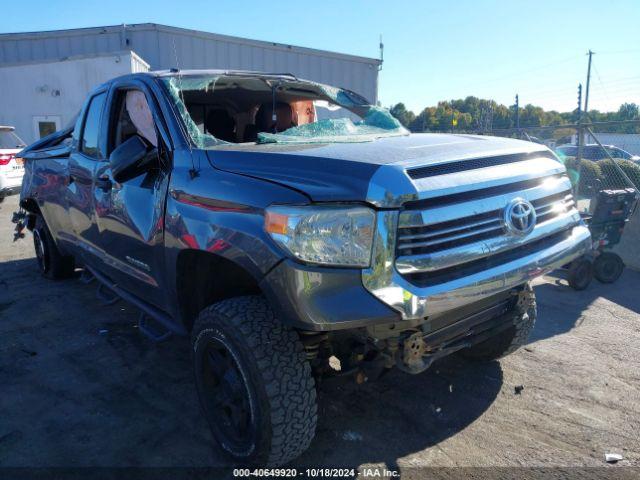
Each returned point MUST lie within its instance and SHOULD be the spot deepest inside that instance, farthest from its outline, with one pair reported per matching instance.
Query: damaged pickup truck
(295, 232)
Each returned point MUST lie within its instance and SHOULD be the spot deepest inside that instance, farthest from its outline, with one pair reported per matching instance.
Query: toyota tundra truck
(294, 232)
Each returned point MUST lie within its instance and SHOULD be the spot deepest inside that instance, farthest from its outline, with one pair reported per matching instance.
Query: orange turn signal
(276, 223)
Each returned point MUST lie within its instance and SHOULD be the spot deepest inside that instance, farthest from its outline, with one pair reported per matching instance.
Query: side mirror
(130, 159)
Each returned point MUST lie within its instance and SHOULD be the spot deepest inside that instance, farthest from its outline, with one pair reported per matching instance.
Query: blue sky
(434, 50)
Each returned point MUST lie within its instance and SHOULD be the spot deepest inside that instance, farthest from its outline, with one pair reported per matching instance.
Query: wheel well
(204, 278)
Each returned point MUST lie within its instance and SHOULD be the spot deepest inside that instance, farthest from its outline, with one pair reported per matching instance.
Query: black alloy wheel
(226, 396)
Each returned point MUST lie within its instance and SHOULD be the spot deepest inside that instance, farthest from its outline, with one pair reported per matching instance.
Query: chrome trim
(459, 236)
(444, 231)
(503, 175)
(413, 302)
(431, 216)
(519, 217)
(472, 251)
(391, 186)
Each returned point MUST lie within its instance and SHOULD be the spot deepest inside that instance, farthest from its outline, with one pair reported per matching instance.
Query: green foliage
(611, 177)
(585, 177)
(477, 114)
(402, 114)
(590, 176)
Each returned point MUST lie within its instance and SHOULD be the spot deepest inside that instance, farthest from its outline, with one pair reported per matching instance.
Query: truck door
(83, 160)
(129, 215)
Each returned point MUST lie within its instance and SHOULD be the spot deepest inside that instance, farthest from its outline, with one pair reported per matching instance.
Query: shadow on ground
(561, 308)
(400, 414)
(82, 387)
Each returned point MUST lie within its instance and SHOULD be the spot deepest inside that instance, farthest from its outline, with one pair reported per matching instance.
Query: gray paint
(371, 171)
(220, 211)
(159, 45)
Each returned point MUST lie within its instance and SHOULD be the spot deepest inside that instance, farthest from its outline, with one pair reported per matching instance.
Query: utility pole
(586, 106)
(518, 114)
(586, 96)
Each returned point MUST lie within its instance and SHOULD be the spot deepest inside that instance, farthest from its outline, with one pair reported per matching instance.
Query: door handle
(104, 184)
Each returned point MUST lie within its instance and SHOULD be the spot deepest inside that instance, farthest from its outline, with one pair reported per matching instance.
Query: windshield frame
(176, 85)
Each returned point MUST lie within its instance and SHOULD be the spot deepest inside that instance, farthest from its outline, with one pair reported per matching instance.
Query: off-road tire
(608, 267)
(508, 341)
(580, 274)
(51, 263)
(276, 374)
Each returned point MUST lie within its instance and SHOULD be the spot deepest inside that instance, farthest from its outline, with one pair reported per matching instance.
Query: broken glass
(377, 122)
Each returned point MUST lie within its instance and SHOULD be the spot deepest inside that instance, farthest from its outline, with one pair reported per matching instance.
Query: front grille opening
(427, 279)
(445, 243)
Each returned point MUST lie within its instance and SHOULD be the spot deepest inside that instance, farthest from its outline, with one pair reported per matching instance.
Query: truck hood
(349, 171)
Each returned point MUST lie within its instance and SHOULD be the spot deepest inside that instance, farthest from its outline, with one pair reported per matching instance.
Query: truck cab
(295, 232)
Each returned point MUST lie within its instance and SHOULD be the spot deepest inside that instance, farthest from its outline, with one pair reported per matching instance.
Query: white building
(40, 97)
(44, 76)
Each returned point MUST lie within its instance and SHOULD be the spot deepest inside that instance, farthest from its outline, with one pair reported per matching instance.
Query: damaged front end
(420, 350)
(372, 351)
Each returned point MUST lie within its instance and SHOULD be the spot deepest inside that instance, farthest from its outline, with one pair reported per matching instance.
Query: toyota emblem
(519, 217)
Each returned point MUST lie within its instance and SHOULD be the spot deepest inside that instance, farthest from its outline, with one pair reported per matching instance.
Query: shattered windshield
(224, 109)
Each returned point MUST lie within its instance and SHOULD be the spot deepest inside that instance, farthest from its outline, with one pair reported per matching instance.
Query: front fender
(222, 213)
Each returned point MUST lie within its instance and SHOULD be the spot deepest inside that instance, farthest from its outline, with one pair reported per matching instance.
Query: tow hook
(417, 356)
(526, 299)
(413, 352)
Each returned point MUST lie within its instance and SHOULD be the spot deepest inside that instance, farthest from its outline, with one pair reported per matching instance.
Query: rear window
(9, 139)
(594, 153)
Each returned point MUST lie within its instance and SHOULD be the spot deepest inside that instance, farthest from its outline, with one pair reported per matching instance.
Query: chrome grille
(447, 235)
(441, 236)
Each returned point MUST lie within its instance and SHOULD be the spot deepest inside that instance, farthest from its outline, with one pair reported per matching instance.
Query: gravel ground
(81, 387)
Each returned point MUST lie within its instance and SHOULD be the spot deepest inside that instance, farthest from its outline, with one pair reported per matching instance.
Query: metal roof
(83, 56)
(164, 47)
(119, 29)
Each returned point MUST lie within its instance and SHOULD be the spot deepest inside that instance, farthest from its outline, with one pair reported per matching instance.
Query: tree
(475, 114)
(404, 116)
(628, 111)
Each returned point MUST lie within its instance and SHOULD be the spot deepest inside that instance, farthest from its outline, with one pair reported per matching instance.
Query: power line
(633, 80)
(534, 69)
(601, 84)
(615, 52)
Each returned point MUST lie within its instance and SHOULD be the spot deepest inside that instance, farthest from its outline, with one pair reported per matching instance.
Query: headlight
(328, 235)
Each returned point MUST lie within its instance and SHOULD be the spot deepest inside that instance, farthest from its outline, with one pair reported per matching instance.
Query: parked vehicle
(594, 152)
(608, 215)
(295, 232)
(11, 167)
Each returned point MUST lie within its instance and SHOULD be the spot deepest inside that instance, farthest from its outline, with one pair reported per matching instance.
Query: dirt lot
(81, 387)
